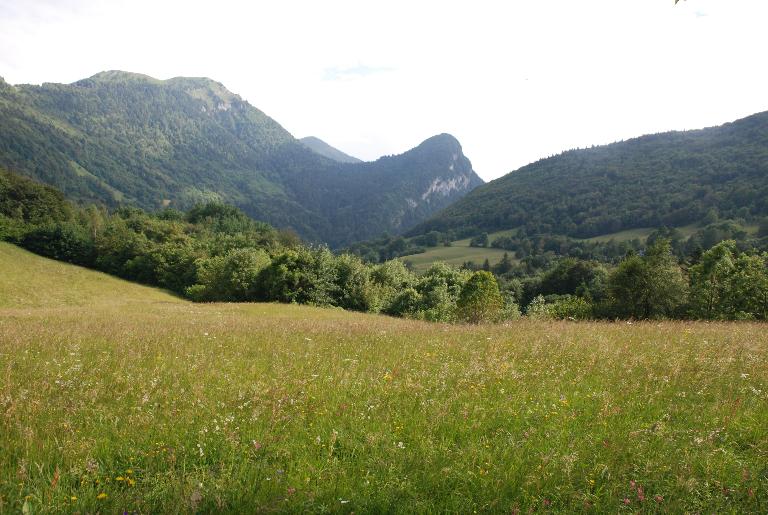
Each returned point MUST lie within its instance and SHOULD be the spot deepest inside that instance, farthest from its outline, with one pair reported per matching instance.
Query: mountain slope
(124, 138)
(324, 149)
(672, 179)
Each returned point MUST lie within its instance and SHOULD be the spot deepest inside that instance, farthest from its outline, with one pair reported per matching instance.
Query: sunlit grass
(172, 407)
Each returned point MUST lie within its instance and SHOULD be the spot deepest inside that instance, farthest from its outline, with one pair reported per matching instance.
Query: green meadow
(459, 253)
(119, 398)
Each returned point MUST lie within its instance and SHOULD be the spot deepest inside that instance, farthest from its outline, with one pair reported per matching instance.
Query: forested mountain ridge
(122, 138)
(324, 149)
(669, 179)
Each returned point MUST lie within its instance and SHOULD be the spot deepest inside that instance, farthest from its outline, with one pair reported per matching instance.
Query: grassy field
(113, 404)
(459, 253)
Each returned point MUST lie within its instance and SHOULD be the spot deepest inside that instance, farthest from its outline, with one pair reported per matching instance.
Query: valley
(383, 258)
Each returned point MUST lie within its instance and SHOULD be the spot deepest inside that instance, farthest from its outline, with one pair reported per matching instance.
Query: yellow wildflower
(101, 496)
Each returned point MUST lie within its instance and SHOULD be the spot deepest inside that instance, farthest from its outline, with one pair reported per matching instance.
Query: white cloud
(513, 80)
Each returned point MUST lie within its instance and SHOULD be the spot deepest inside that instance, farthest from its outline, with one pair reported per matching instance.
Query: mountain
(324, 149)
(671, 179)
(123, 138)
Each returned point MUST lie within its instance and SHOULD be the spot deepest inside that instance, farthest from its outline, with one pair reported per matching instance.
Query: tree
(235, 276)
(727, 287)
(353, 284)
(503, 266)
(650, 286)
(304, 276)
(710, 281)
(480, 299)
(749, 287)
(480, 241)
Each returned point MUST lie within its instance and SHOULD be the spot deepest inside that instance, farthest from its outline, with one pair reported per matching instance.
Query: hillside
(124, 138)
(138, 402)
(673, 179)
(31, 281)
(324, 149)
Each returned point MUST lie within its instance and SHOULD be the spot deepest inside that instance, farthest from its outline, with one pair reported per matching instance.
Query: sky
(513, 80)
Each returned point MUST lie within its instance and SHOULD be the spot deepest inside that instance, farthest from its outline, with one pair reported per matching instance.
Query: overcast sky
(513, 80)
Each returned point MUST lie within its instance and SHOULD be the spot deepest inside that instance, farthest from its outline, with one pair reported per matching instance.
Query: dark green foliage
(233, 277)
(304, 276)
(31, 202)
(216, 253)
(65, 241)
(569, 276)
(405, 304)
(762, 231)
(354, 288)
(480, 241)
(127, 139)
(728, 286)
(671, 179)
(649, 286)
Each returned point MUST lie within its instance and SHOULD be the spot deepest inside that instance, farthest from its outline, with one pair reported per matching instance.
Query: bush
(480, 299)
(235, 276)
(12, 229)
(353, 284)
(405, 304)
(570, 307)
(65, 241)
(304, 276)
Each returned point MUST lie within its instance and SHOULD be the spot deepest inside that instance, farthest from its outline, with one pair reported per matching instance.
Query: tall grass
(167, 406)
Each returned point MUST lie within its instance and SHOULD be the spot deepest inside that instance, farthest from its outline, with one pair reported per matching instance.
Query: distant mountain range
(122, 138)
(324, 149)
(670, 179)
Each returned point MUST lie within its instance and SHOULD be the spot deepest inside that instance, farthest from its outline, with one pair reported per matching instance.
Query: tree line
(214, 252)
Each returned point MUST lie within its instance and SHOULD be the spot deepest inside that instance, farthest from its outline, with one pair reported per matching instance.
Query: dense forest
(214, 252)
(123, 139)
(671, 179)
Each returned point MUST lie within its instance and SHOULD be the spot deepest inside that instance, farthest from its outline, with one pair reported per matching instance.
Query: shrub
(480, 299)
(65, 241)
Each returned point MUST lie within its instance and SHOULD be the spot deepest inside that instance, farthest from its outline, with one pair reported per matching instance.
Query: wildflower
(627, 502)
(659, 499)
(73, 498)
(131, 482)
(119, 478)
(129, 472)
(101, 496)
